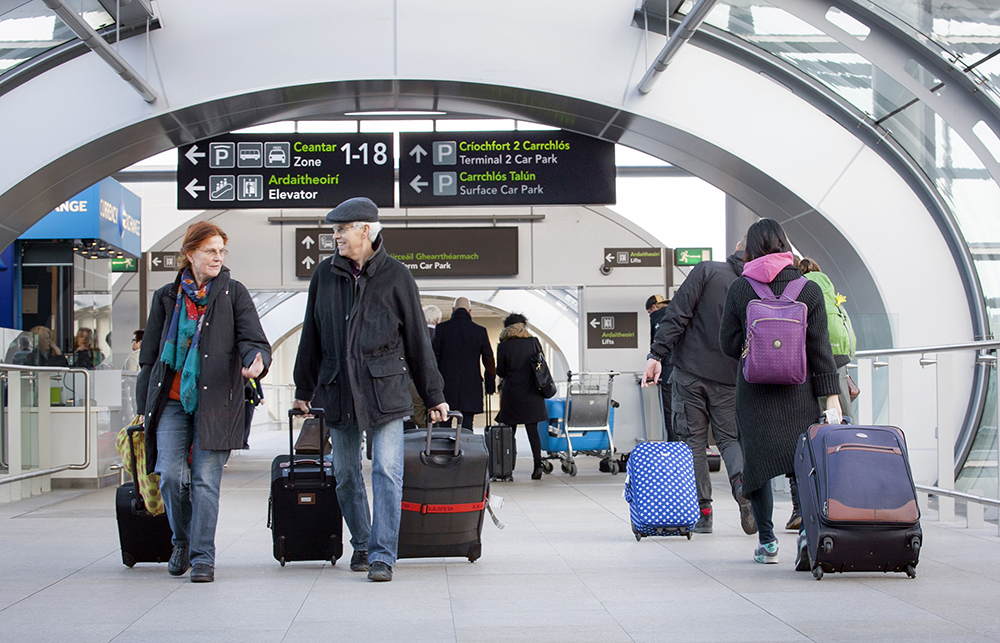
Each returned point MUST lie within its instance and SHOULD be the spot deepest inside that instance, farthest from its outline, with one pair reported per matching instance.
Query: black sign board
(612, 330)
(633, 257)
(164, 261)
(241, 171)
(505, 168)
(427, 252)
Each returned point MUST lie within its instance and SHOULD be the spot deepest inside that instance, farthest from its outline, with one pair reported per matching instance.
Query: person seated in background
(85, 353)
(45, 353)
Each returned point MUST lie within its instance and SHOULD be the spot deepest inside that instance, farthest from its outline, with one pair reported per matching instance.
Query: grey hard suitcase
(501, 447)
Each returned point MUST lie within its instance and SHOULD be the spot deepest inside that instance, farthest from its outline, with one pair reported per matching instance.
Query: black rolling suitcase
(444, 493)
(502, 451)
(144, 538)
(858, 502)
(304, 515)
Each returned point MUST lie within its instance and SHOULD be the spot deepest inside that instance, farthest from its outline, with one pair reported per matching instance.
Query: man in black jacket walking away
(459, 345)
(703, 379)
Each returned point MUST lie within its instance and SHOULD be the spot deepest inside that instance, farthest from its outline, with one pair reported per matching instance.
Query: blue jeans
(377, 532)
(190, 491)
(762, 505)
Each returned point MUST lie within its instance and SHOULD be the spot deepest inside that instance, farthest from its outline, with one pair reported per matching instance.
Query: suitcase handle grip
(316, 412)
(458, 432)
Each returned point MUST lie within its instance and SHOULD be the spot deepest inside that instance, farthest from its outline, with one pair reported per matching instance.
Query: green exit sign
(127, 264)
(691, 256)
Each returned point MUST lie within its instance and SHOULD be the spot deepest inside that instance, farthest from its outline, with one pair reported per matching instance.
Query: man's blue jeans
(377, 532)
(190, 491)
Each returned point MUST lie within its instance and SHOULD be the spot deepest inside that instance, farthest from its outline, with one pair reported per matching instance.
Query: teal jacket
(842, 339)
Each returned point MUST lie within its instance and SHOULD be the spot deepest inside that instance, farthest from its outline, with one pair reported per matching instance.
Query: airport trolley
(580, 423)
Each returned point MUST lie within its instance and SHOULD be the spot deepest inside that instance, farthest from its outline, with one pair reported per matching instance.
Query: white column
(43, 484)
(864, 381)
(14, 433)
(945, 437)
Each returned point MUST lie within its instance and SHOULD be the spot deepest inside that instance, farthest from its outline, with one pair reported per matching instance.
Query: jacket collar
(220, 283)
(461, 313)
(374, 263)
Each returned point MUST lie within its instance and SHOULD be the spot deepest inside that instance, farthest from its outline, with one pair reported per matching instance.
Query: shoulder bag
(543, 378)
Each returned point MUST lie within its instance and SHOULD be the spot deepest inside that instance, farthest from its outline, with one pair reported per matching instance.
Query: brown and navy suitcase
(144, 538)
(303, 513)
(444, 493)
(858, 501)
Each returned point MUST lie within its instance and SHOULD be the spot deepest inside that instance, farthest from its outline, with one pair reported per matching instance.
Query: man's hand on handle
(301, 405)
(652, 373)
(438, 413)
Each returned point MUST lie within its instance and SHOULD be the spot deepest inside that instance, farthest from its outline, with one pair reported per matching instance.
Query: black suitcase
(858, 503)
(501, 447)
(444, 493)
(303, 512)
(144, 538)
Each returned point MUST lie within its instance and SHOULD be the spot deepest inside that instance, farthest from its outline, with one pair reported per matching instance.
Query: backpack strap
(763, 290)
(794, 287)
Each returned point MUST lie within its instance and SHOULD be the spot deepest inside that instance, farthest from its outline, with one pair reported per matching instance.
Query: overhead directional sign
(427, 252)
(240, 171)
(632, 257)
(691, 256)
(612, 330)
(505, 168)
(164, 261)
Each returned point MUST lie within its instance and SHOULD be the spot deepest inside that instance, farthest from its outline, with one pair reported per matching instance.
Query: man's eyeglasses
(341, 228)
(215, 253)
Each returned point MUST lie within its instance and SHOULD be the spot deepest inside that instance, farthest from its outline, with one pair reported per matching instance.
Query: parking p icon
(445, 184)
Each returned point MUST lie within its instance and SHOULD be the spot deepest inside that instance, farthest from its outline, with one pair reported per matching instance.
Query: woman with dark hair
(206, 341)
(85, 353)
(520, 400)
(771, 417)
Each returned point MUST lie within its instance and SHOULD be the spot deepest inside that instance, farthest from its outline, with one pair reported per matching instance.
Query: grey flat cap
(357, 209)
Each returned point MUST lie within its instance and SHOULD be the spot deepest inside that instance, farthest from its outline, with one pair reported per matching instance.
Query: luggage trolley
(580, 423)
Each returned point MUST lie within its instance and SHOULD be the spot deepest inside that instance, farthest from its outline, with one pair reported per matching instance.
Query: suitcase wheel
(128, 559)
(638, 536)
(282, 561)
(827, 544)
(475, 552)
(818, 572)
(688, 534)
(911, 571)
(915, 545)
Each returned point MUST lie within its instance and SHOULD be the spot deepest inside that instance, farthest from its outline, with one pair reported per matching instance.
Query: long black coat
(520, 401)
(459, 345)
(771, 417)
(231, 336)
(363, 339)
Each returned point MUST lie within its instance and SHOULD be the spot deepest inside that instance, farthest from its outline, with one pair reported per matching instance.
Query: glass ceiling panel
(813, 52)
(33, 29)
(970, 29)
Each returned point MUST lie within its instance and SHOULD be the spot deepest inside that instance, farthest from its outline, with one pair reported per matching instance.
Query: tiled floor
(565, 568)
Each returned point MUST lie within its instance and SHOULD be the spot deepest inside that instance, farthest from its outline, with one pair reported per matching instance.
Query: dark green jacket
(362, 340)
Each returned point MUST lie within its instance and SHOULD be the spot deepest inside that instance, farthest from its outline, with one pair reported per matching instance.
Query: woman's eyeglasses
(215, 253)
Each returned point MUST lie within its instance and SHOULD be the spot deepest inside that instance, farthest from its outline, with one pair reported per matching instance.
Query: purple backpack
(775, 348)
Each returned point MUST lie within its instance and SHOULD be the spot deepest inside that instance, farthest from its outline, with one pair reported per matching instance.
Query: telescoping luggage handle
(315, 412)
(458, 432)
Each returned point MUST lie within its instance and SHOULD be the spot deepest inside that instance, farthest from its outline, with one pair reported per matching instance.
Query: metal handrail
(951, 493)
(86, 421)
(943, 348)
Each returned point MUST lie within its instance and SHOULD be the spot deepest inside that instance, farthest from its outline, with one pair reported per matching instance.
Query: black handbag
(543, 378)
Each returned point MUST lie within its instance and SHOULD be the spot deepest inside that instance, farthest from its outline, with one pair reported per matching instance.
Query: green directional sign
(691, 256)
(127, 264)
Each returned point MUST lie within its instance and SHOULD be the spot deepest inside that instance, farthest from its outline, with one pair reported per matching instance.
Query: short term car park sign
(505, 168)
(241, 171)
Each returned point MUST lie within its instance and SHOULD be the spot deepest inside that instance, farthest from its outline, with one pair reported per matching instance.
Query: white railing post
(974, 511)
(14, 433)
(945, 437)
(43, 484)
(865, 404)
(897, 394)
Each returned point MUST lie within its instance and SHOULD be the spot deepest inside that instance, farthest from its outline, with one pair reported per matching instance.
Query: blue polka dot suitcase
(660, 490)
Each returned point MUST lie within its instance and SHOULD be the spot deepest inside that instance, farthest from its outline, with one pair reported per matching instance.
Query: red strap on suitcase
(444, 509)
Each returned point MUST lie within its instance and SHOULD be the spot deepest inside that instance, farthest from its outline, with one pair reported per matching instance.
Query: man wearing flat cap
(363, 339)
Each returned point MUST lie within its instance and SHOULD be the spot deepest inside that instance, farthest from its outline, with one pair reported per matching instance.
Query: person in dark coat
(459, 345)
(703, 381)
(363, 339)
(771, 417)
(520, 400)
(208, 342)
(656, 306)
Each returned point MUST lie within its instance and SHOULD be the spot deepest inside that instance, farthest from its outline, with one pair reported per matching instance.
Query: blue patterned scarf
(180, 352)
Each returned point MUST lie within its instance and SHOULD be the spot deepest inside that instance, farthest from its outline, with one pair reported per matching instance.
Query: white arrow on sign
(594, 323)
(193, 155)
(416, 152)
(193, 188)
(308, 242)
(609, 257)
(416, 183)
(308, 263)
(156, 261)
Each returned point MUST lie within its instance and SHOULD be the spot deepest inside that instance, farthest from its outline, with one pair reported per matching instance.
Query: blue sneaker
(767, 553)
